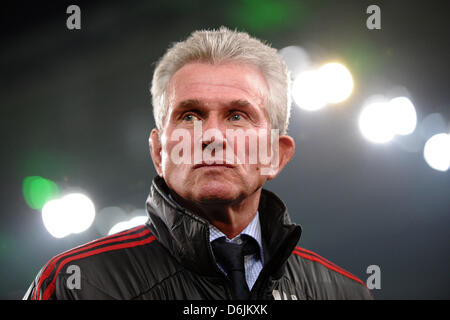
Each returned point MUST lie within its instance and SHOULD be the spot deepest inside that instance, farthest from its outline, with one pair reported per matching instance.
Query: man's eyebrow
(190, 104)
(196, 104)
(237, 103)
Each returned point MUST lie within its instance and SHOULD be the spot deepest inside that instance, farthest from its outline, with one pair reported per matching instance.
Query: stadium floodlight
(55, 219)
(73, 213)
(381, 119)
(315, 88)
(375, 122)
(437, 152)
(403, 115)
(336, 82)
(307, 91)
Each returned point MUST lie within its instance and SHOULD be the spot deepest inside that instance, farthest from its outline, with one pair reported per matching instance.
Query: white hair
(224, 46)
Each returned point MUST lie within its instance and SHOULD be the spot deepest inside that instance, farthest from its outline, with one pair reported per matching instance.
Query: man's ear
(155, 150)
(286, 149)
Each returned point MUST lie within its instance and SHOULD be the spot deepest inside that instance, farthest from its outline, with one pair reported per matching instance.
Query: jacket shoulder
(111, 267)
(322, 279)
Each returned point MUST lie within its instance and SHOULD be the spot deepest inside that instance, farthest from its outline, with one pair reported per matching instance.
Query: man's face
(221, 97)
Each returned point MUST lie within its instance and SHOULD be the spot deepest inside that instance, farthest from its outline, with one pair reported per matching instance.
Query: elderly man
(221, 106)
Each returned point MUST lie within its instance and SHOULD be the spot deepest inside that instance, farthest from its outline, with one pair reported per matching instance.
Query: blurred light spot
(125, 225)
(54, 219)
(314, 89)
(264, 15)
(73, 213)
(307, 91)
(403, 115)
(437, 152)
(375, 124)
(80, 211)
(37, 191)
(380, 119)
(296, 59)
(337, 82)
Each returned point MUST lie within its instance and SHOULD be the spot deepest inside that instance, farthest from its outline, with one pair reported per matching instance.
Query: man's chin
(214, 192)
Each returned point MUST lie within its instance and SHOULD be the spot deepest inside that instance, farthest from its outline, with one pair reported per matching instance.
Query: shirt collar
(253, 230)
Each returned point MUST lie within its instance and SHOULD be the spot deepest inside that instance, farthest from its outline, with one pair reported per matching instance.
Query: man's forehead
(230, 81)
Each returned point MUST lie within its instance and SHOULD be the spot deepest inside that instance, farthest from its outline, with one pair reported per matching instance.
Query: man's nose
(213, 132)
(213, 122)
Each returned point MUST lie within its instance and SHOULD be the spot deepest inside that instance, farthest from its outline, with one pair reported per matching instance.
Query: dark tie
(230, 256)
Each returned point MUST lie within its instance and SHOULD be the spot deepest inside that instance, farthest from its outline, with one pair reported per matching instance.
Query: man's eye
(189, 117)
(236, 117)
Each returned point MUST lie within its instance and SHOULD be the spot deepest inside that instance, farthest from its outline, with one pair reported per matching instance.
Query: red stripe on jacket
(335, 268)
(305, 251)
(48, 292)
(51, 264)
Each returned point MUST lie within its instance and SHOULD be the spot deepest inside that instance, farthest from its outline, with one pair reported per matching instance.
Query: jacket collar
(186, 235)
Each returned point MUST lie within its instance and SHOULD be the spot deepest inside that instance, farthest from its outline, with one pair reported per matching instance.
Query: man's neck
(230, 218)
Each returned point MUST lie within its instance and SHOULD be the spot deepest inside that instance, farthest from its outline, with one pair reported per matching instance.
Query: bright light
(380, 120)
(437, 152)
(307, 91)
(80, 211)
(336, 82)
(55, 220)
(314, 89)
(403, 115)
(125, 225)
(73, 213)
(375, 123)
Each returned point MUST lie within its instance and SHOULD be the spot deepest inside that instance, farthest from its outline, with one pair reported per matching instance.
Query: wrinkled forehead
(217, 83)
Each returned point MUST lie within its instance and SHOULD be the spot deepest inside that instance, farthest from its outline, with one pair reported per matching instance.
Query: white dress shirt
(253, 263)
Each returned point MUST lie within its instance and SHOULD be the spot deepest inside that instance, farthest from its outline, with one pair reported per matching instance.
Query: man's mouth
(213, 165)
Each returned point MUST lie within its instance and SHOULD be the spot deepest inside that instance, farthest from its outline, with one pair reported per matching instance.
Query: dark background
(76, 109)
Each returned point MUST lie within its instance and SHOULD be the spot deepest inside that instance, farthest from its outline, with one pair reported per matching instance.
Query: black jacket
(170, 257)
